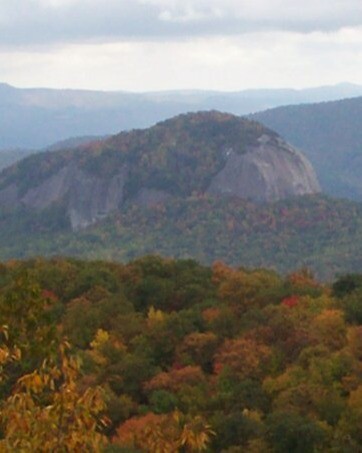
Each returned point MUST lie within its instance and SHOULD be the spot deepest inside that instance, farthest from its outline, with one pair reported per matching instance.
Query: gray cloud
(29, 22)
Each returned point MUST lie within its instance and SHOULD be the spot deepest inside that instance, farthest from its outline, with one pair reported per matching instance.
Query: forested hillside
(321, 233)
(330, 135)
(164, 355)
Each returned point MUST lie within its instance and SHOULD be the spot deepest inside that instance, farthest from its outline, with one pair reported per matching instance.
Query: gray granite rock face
(52, 189)
(271, 171)
(149, 198)
(94, 198)
(88, 197)
(9, 196)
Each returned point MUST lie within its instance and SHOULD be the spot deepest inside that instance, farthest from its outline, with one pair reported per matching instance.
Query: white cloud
(281, 13)
(165, 44)
(28, 22)
(190, 14)
(263, 59)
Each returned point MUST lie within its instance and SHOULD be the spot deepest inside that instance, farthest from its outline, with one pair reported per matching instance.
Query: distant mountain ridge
(330, 135)
(36, 118)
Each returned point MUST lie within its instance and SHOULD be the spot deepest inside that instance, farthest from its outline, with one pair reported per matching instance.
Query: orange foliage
(242, 356)
(303, 278)
(136, 430)
(220, 271)
(176, 378)
(166, 433)
(210, 314)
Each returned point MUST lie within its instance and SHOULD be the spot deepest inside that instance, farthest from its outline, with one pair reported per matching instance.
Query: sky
(155, 45)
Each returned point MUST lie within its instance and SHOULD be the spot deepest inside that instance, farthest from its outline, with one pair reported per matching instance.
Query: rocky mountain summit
(197, 154)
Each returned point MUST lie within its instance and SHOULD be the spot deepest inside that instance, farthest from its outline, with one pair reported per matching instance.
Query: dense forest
(313, 231)
(160, 355)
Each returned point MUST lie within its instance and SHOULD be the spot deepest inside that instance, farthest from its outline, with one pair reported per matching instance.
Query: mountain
(207, 185)
(330, 135)
(36, 118)
(10, 156)
(207, 153)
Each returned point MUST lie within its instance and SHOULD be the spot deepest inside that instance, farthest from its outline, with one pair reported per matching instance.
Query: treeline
(161, 355)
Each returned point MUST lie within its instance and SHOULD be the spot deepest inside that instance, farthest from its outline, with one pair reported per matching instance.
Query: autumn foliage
(171, 356)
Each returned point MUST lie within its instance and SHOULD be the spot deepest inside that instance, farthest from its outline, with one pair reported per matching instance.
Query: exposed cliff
(88, 198)
(270, 171)
(203, 153)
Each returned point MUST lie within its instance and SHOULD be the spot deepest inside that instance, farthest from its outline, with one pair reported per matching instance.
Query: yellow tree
(47, 412)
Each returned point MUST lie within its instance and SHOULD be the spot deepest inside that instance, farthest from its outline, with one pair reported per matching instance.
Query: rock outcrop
(268, 172)
(148, 198)
(88, 198)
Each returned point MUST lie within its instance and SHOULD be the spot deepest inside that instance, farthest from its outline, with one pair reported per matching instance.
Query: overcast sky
(146, 45)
